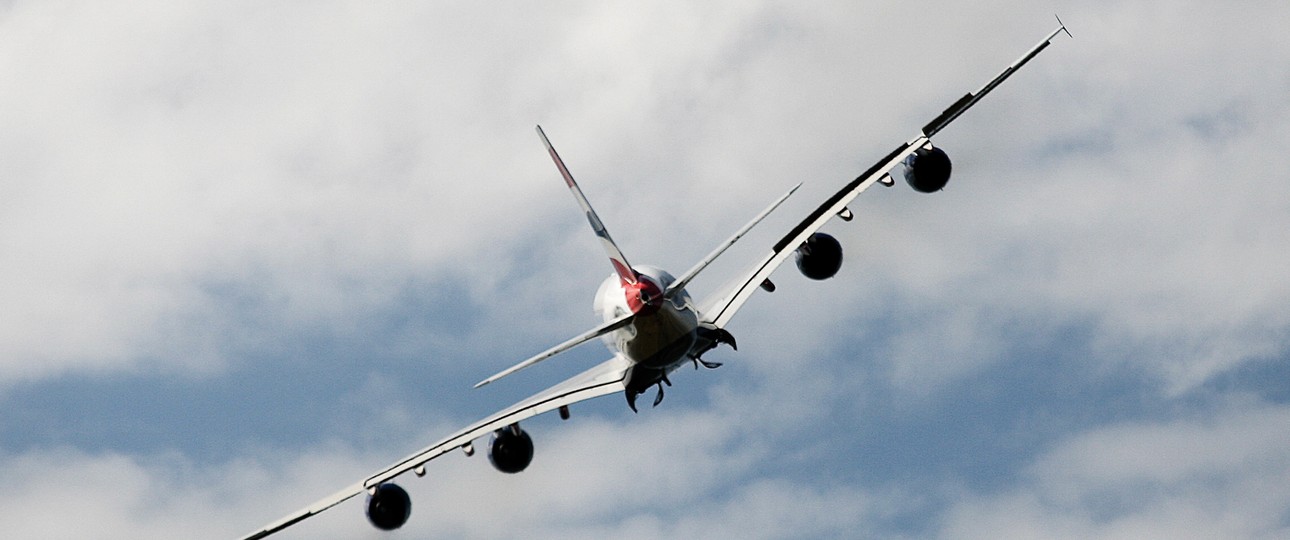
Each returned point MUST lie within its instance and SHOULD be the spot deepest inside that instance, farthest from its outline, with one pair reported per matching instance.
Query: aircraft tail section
(624, 269)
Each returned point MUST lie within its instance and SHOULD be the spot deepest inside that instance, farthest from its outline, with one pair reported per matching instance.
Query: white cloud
(668, 475)
(190, 188)
(1223, 476)
(169, 149)
(321, 159)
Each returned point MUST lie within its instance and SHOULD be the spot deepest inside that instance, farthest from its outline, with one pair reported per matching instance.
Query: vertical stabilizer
(621, 266)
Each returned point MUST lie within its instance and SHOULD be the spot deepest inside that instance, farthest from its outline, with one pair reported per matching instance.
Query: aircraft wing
(719, 308)
(605, 378)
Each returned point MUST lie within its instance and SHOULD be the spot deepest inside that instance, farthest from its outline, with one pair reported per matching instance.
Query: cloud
(665, 475)
(1218, 477)
(210, 152)
(249, 252)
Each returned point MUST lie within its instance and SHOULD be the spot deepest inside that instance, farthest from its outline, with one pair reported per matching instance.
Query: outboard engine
(389, 507)
(927, 170)
(511, 449)
(819, 257)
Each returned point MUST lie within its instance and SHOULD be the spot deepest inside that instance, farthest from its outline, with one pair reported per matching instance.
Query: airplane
(651, 324)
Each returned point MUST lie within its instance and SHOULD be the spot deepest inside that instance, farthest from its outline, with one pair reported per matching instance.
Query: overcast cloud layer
(250, 252)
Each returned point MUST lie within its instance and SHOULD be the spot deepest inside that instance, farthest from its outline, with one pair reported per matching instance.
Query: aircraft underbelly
(661, 339)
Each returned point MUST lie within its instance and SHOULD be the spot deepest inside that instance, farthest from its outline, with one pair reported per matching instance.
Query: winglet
(1063, 26)
(616, 257)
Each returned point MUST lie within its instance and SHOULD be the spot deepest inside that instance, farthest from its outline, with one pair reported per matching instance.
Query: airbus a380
(651, 324)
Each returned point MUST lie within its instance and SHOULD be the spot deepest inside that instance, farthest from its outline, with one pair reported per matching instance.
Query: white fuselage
(662, 333)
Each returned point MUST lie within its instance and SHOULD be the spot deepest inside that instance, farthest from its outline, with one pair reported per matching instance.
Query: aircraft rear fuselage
(664, 330)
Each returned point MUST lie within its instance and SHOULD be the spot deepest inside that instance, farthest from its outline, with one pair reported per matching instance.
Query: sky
(251, 252)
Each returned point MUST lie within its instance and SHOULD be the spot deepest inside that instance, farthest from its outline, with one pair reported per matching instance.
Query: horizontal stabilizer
(689, 275)
(579, 340)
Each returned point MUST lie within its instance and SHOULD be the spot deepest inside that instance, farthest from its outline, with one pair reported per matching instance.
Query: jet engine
(511, 449)
(927, 170)
(819, 257)
(389, 507)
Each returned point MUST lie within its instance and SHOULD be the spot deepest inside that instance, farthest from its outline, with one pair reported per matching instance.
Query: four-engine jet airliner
(651, 324)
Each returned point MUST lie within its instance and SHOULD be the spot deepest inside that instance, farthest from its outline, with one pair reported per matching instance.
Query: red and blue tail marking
(621, 267)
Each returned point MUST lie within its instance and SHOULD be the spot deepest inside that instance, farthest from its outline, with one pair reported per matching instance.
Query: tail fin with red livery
(616, 257)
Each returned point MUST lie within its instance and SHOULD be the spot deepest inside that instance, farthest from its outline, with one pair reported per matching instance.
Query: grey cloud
(321, 221)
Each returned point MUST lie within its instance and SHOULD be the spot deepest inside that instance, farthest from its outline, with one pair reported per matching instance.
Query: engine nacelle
(389, 508)
(819, 257)
(510, 450)
(927, 170)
